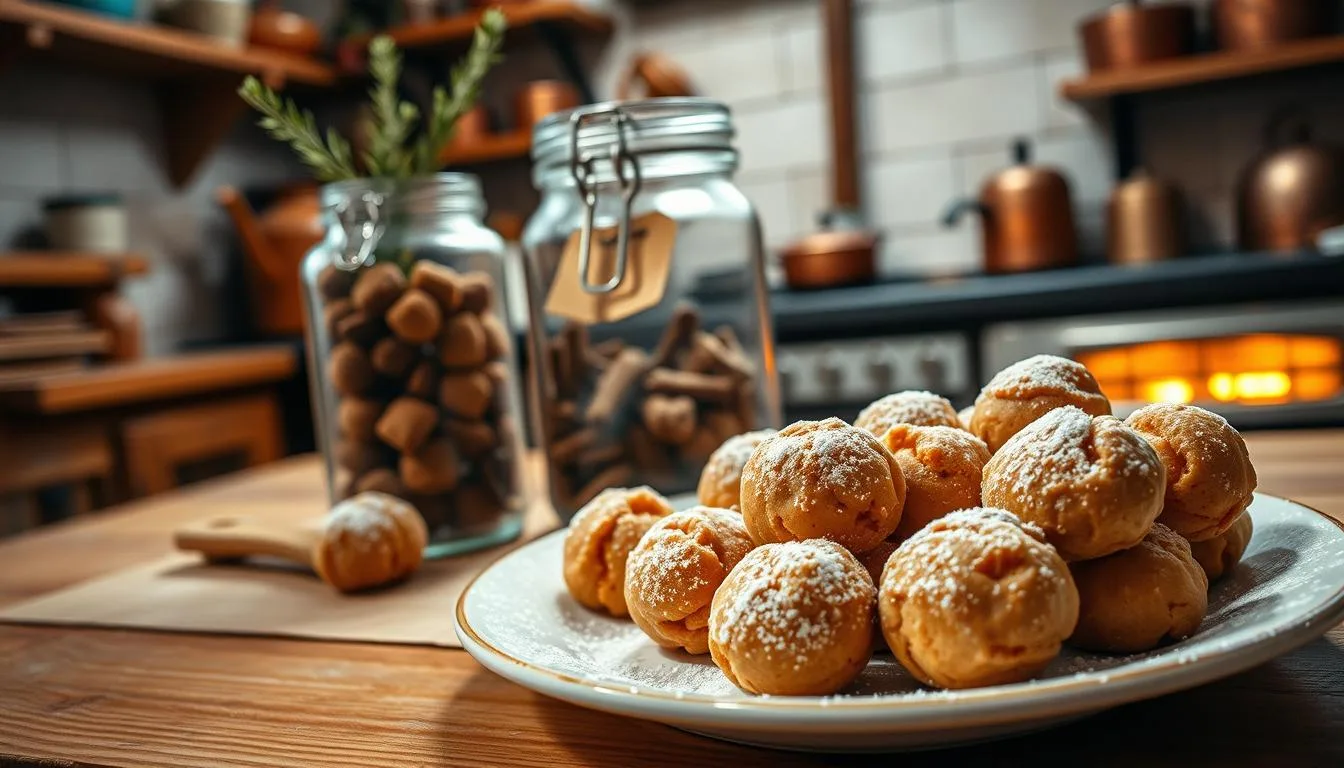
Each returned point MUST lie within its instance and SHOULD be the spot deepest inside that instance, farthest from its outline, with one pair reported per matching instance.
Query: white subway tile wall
(944, 87)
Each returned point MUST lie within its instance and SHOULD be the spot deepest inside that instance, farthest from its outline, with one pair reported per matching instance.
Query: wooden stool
(158, 446)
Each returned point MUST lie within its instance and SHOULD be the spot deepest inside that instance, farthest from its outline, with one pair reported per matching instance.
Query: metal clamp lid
(360, 229)
(582, 165)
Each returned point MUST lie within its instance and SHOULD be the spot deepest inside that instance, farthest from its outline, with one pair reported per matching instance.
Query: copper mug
(1132, 33)
(1241, 25)
(1143, 221)
(540, 98)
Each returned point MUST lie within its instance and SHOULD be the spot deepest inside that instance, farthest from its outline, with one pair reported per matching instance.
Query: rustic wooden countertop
(98, 697)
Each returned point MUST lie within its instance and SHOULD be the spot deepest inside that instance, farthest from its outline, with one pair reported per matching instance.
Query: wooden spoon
(366, 541)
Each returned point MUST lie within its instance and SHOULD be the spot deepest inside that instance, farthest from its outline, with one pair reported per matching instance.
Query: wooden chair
(158, 447)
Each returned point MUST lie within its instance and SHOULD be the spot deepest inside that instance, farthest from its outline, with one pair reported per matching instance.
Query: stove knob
(934, 371)
(828, 374)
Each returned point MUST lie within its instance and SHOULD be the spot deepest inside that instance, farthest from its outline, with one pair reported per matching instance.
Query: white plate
(517, 619)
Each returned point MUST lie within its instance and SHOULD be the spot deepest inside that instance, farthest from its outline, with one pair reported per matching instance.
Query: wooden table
(119, 698)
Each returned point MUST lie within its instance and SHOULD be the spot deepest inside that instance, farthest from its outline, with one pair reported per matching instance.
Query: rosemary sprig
(282, 118)
(390, 153)
(466, 81)
(393, 121)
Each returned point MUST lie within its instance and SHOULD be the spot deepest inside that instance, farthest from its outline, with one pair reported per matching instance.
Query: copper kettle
(1292, 192)
(1026, 214)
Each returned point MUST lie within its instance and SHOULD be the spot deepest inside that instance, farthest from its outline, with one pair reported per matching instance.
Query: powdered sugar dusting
(1041, 374)
(917, 407)
(1045, 455)
(791, 599)
(726, 462)
(1292, 569)
(361, 519)
(839, 456)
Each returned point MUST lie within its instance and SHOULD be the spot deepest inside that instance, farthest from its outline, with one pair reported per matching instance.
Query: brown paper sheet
(182, 593)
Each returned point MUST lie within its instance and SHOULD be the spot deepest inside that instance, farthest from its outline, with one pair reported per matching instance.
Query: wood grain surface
(123, 698)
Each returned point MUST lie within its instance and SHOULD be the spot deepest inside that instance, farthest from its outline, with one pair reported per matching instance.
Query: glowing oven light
(1252, 385)
(1168, 391)
(1222, 387)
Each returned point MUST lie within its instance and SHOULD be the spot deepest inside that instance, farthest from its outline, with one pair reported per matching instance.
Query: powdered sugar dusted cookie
(721, 479)
(673, 572)
(923, 409)
(976, 598)
(599, 541)
(794, 618)
(1091, 483)
(822, 479)
(1027, 390)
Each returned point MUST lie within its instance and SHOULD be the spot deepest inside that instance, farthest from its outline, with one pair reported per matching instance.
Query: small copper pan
(830, 259)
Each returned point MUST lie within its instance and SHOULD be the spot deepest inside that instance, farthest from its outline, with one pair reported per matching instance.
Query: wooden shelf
(506, 146)
(457, 30)
(198, 77)
(1204, 68)
(118, 385)
(60, 269)
(159, 52)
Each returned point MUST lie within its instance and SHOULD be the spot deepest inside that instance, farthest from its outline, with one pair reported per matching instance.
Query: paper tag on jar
(652, 237)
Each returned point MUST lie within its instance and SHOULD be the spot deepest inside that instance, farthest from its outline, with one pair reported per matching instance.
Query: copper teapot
(275, 243)
(1292, 192)
(1027, 216)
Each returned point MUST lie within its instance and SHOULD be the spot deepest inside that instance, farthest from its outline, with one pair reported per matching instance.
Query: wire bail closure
(582, 167)
(367, 227)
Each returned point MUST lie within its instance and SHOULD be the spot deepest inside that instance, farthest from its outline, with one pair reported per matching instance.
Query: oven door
(1261, 366)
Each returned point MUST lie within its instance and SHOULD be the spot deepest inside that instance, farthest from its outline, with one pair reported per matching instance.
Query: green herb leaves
(390, 153)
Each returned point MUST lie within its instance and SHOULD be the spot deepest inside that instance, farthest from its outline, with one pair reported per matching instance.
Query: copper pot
(1291, 193)
(656, 76)
(1132, 33)
(282, 30)
(1026, 214)
(1143, 221)
(472, 129)
(830, 258)
(540, 98)
(1240, 25)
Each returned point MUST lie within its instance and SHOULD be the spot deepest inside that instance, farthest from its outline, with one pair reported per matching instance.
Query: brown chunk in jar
(378, 288)
(416, 317)
(439, 282)
(355, 417)
(466, 394)
(462, 343)
(432, 469)
(393, 357)
(407, 423)
(349, 368)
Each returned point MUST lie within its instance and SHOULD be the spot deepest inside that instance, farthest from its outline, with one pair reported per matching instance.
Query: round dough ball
(977, 598)
(1209, 474)
(822, 480)
(599, 541)
(673, 572)
(1221, 554)
(1134, 600)
(721, 479)
(923, 409)
(873, 561)
(793, 619)
(964, 417)
(942, 467)
(1091, 483)
(370, 539)
(1027, 390)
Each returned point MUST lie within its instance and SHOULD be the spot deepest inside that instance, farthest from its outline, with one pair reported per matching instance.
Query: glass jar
(643, 363)
(414, 377)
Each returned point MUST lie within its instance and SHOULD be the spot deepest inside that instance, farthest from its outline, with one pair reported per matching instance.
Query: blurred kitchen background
(1160, 203)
